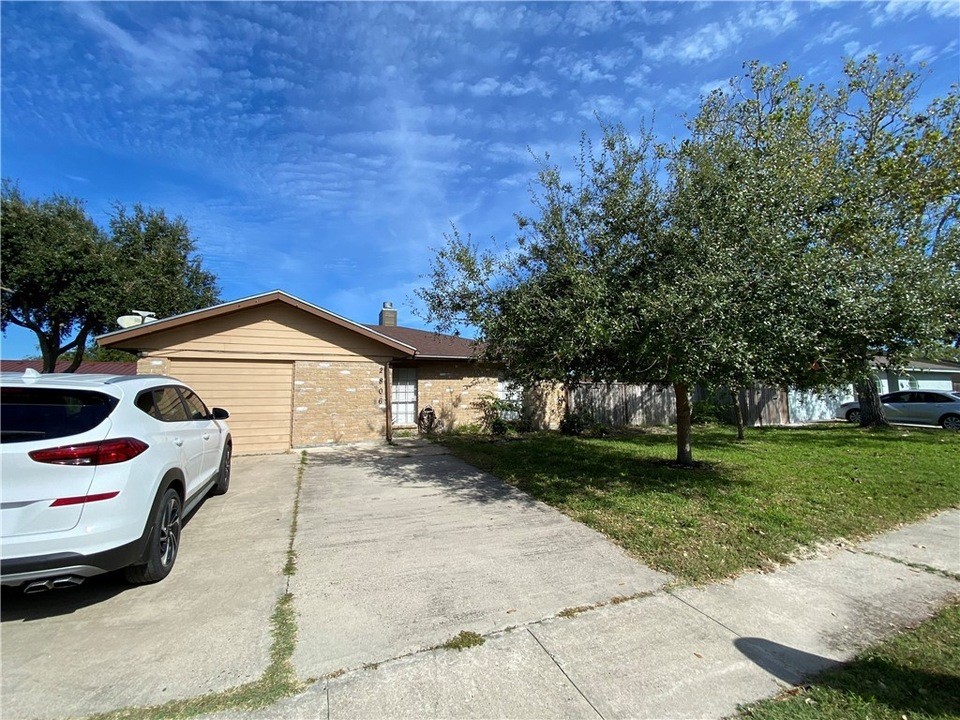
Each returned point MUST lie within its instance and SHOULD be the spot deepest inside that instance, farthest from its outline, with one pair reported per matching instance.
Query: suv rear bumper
(16, 571)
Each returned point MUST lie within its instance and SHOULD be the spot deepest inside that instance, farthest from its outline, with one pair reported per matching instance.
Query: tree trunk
(48, 353)
(738, 411)
(78, 352)
(871, 411)
(684, 453)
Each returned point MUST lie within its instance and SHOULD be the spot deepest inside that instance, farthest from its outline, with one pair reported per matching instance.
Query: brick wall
(453, 388)
(338, 401)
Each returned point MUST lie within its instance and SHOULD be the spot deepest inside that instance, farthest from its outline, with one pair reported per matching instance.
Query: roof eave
(113, 338)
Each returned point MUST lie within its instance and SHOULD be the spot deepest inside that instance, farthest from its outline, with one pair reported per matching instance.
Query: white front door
(404, 396)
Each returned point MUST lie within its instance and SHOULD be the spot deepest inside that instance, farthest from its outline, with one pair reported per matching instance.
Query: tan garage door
(257, 394)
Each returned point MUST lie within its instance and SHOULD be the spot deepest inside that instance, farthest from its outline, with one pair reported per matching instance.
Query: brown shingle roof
(86, 368)
(431, 344)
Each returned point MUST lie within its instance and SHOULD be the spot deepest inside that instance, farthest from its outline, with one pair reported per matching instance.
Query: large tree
(859, 189)
(749, 257)
(66, 279)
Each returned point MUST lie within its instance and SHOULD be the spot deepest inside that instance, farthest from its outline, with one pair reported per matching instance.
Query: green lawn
(915, 675)
(748, 505)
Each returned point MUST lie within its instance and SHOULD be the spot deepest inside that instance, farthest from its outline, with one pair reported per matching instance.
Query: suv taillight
(105, 452)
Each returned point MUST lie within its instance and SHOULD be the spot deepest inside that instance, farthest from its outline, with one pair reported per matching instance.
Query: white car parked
(98, 472)
(919, 407)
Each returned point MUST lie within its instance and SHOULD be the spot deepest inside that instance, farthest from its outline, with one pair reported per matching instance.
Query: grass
(746, 505)
(617, 600)
(462, 640)
(915, 675)
(290, 568)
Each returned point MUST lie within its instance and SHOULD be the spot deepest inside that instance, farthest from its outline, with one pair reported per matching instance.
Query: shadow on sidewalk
(902, 688)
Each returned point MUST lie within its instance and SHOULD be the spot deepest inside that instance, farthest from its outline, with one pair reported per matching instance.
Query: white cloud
(716, 39)
(855, 50)
(834, 32)
(711, 85)
(921, 53)
(484, 87)
(710, 41)
(160, 60)
(894, 10)
(607, 107)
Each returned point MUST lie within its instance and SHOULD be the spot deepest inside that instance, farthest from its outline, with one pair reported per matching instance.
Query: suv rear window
(44, 413)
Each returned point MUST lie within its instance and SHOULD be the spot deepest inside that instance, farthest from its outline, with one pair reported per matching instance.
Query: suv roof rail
(125, 378)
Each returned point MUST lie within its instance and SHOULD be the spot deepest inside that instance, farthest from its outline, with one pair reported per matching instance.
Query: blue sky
(324, 148)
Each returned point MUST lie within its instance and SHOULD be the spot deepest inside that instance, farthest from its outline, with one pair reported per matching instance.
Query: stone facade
(453, 389)
(338, 401)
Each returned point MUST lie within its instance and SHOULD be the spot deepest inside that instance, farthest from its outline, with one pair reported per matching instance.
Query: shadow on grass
(559, 469)
(576, 471)
(871, 679)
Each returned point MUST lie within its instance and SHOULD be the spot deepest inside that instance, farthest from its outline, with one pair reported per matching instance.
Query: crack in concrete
(569, 679)
(910, 564)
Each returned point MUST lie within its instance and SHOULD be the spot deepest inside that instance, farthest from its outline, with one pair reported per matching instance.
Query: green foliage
(67, 280)
(55, 268)
(709, 411)
(794, 235)
(499, 426)
(499, 415)
(574, 423)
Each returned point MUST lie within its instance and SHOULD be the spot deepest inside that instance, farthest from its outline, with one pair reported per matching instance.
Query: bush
(574, 423)
(494, 412)
(708, 411)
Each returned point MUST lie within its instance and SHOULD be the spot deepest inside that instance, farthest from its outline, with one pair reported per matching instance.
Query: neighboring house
(918, 375)
(86, 368)
(621, 404)
(292, 374)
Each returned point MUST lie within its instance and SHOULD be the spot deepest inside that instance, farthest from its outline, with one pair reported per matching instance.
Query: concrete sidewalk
(695, 652)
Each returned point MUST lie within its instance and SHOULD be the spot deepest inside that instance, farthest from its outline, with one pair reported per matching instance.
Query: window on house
(513, 394)
(404, 396)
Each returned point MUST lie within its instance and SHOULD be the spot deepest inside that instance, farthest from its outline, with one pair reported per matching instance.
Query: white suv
(98, 472)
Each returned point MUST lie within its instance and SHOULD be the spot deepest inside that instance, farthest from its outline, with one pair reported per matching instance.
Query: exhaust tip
(39, 586)
(68, 581)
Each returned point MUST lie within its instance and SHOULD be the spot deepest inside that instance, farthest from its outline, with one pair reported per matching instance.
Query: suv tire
(163, 543)
(223, 474)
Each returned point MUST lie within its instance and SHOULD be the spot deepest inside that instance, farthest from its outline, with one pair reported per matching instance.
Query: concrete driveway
(401, 548)
(107, 645)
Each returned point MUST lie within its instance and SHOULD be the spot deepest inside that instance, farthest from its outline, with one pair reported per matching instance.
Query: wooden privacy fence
(619, 404)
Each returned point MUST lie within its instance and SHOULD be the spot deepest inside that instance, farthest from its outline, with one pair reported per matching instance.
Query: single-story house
(294, 375)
